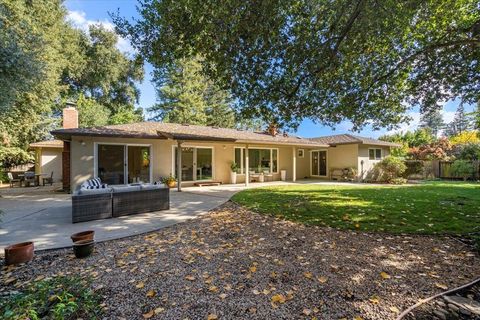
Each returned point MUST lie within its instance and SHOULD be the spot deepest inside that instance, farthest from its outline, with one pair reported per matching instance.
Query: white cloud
(79, 20)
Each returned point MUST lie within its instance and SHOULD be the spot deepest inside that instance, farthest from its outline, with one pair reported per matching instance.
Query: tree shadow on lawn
(425, 209)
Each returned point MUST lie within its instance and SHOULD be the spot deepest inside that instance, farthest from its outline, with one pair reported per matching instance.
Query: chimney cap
(70, 104)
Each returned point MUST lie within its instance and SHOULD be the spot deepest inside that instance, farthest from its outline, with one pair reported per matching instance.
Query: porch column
(245, 167)
(179, 166)
(294, 162)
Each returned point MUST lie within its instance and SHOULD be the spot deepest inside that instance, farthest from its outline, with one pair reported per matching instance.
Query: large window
(375, 154)
(259, 160)
(122, 164)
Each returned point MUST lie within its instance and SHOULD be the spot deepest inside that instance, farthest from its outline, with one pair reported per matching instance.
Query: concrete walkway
(43, 216)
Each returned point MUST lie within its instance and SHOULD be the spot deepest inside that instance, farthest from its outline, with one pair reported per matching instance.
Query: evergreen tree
(432, 120)
(185, 95)
(460, 122)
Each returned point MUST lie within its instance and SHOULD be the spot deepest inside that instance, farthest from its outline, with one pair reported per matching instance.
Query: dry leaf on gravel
(212, 317)
(308, 275)
(190, 278)
(278, 298)
(394, 309)
(384, 275)
(322, 279)
(140, 285)
(441, 286)
(149, 314)
(151, 293)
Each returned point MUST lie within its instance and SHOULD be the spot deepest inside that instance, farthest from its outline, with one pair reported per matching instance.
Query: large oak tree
(366, 61)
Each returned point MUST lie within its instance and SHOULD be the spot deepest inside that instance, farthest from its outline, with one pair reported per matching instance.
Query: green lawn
(429, 208)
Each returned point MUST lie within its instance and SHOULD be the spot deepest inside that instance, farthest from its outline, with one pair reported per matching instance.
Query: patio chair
(268, 175)
(48, 180)
(29, 178)
(13, 180)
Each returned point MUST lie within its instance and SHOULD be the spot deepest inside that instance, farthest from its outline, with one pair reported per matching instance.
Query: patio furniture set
(30, 178)
(95, 200)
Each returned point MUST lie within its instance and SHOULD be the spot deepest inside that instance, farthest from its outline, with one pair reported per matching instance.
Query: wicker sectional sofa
(108, 202)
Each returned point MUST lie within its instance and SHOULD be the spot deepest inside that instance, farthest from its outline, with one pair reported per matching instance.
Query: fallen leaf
(441, 286)
(253, 269)
(322, 279)
(222, 296)
(149, 314)
(280, 298)
(256, 292)
(308, 275)
(384, 275)
(151, 293)
(307, 312)
(159, 310)
(212, 317)
(190, 278)
(140, 285)
(213, 289)
(394, 309)
(374, 299)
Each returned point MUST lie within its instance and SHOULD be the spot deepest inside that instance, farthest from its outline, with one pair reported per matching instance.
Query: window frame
(375, 154)
(242, 157)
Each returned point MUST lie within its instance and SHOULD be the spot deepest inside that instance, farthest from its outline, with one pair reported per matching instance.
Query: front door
(319, 163)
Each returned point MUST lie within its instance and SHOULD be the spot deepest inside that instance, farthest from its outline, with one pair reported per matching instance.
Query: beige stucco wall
(342, 156)
(82, 158)
(48, 160)
(367, 163)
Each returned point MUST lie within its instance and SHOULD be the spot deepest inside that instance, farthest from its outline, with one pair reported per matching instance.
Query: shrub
(390, 168)
(57, 298)
(468, 151)
(398, 181)
(463, 169)
(12, 156)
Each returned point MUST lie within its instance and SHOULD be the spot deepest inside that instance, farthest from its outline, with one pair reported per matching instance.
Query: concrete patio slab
(44, 216)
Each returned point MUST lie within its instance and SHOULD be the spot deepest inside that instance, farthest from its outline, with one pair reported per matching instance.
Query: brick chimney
(70, 116)
(70, 121)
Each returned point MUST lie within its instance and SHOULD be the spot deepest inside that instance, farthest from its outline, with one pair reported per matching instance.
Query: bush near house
(13, 156)
(390, 169)
(463, 169)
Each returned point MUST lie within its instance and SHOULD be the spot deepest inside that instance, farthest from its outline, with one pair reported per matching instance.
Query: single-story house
(147, 151)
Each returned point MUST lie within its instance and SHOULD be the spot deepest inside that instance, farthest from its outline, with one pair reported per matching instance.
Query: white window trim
(174, 173)
(125, 157)
(242, 167)
(326, 163)
(375, 153)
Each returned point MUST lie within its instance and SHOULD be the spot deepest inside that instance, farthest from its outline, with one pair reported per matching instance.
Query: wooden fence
(418, 169)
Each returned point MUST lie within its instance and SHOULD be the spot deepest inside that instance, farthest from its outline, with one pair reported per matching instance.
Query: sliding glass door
(319, 163)
(197, 163)
(122, 164)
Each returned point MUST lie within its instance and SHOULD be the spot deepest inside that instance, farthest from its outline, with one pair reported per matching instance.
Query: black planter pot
(83, 248)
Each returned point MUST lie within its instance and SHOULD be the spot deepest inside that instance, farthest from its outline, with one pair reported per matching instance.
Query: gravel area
(235, 264)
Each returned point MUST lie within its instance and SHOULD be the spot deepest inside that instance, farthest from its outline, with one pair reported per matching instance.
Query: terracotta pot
(19, 253)
(83, 248)
(84, 235)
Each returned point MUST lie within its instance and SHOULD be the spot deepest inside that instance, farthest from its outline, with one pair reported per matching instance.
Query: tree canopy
(45, 61)
(186, 95)
(366, 61)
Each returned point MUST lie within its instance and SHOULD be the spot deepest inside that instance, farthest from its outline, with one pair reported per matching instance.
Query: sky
(83, 13)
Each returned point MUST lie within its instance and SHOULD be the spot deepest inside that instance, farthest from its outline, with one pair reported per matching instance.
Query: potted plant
(84, 235)
(233, 173)
(83, 248)
(19, 253)
(169, 181)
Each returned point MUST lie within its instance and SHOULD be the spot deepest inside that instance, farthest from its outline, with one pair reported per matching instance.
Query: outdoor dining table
(37, 177)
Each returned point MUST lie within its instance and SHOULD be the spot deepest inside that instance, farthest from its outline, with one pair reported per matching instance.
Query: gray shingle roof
(160, 130)
(352, 139)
